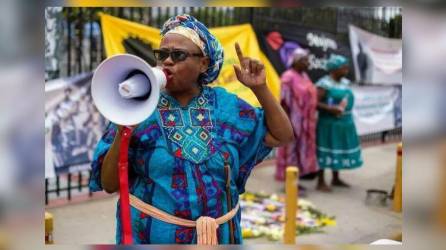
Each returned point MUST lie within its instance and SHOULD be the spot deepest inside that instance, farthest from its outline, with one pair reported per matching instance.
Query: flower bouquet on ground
(263, 215)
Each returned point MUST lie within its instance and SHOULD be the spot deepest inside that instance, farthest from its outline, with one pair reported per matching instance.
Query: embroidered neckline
(188, 130)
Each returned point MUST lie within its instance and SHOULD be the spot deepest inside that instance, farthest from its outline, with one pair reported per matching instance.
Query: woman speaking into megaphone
(189, 161)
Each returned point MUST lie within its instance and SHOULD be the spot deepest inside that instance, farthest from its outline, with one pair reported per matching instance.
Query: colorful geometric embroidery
(189, 130)
(243, 174)
(192, 143)
(163, 103)
(204, 136)
(184, 235)
(140, 229)
(182, 205)
(151, 132)
(194, 150)
(179, 180)
(201, 101)
(200, 117)
(229, 131)
(171, 117)
(177, 136)
(245, 110)
(208, 192)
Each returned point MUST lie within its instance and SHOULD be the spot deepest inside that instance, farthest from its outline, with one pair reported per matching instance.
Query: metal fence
(80, 48)
(64, 186)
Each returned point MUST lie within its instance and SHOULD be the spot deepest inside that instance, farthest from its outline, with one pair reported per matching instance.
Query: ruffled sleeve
(245, 127)
(101, 150)
(142, 141)
(252, 150)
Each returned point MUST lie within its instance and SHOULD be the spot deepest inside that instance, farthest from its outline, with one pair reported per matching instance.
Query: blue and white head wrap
(208, 43)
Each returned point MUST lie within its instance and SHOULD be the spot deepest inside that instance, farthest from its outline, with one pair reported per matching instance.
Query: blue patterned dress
(177, 158)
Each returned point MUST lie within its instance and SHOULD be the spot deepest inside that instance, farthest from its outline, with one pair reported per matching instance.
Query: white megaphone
(126, 89)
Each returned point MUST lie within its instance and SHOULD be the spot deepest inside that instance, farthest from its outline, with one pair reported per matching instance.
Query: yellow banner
(116, 30)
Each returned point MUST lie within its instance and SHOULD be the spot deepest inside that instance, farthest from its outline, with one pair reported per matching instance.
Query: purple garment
(299, 96)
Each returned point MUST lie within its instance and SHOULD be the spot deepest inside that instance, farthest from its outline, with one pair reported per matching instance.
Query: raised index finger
(239, 54)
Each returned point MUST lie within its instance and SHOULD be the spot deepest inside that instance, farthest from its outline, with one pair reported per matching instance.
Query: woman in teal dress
(177, 156)
(338, 145)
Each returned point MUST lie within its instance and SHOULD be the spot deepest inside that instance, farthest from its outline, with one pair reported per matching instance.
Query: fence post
(58, 185)
(398, 194)
(206, 16)
(69, 41)
(236, 16)
(149, 14)
(132, 14)
(159, 24)
(90, 38)
(222, 17)
(69, 186)
(102, 42)
(79, 181)
(90, 193)
(289, 236)
(175, 11)
(80, 37)
(167, 14)
(46, 190)
(251, 15)
(214, 16)
(141, 15)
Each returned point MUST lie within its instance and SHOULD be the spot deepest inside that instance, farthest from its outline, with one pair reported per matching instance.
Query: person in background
(338, 145)
(299, 100)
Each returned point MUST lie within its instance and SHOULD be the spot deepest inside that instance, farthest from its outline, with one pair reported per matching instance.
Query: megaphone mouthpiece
(137, 85)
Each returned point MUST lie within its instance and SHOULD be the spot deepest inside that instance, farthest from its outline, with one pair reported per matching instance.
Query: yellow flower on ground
(249, 197)
(274, 197)
(271, 207)
(328, 221)
(247, 233)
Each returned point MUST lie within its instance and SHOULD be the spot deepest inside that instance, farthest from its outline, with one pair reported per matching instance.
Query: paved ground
(92, 222)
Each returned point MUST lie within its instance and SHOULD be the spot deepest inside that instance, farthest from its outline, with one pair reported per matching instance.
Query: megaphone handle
(124, 186)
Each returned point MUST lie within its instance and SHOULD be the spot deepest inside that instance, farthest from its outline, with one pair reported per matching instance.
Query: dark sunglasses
(175, 55)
